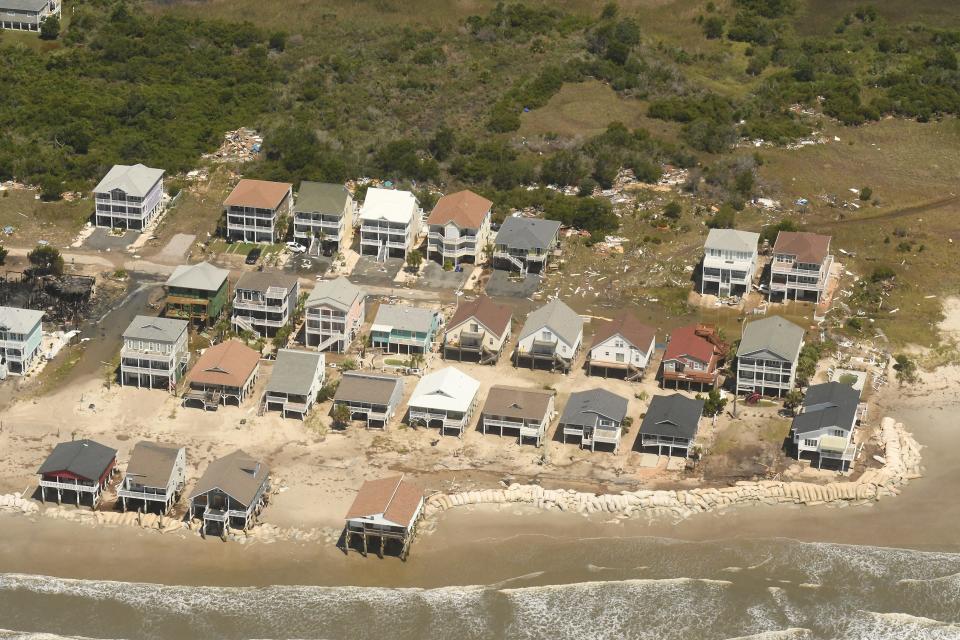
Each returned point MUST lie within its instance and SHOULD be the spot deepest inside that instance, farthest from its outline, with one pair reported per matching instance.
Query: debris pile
(241, 145)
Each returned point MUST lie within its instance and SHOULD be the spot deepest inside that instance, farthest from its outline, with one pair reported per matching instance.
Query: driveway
(507, 284)
(433, 276)
(102, 240)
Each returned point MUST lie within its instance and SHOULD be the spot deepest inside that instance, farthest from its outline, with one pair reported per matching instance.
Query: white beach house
(444, 399)
(389, 223)
(128, 197)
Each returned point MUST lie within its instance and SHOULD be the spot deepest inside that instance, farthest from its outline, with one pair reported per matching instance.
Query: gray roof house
(128, 197)
(21, 335)
(264, 301)
(525, 244)
(231, 492)
(26, 15)
(594, 416)
(824, 427)
(156, 475)
(729, 261)
(322, 210)
(553, 333)
(155, 352)
(371, 397)
(296, 378)
(767, 356)
(671, 422)
(202, 276)
(334, 314)
(399, 327)
(81, 466)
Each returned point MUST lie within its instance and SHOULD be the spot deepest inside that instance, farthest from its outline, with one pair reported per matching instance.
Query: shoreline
(488, 544)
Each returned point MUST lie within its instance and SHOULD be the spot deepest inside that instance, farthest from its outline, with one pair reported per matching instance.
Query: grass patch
(586, 108)
(32, 219)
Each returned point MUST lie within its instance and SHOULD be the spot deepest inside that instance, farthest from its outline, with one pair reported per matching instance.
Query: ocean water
(628, 588)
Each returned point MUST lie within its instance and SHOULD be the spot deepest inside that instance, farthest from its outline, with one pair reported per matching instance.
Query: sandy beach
(467, 545)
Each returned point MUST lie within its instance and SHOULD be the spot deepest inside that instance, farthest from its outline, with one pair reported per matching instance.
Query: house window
(545, 335)
(839, 433)
(619, 357)
(474, 327)
(808, 442)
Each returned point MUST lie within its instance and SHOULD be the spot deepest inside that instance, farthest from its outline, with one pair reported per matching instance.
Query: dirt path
(896, 214)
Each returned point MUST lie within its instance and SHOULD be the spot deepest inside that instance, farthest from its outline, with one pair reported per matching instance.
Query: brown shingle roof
(626, 324)
(495, 317)
(229, 364)
(515, 402)
(397, 499)
(258, 193)
(809, 248)
(464, 208)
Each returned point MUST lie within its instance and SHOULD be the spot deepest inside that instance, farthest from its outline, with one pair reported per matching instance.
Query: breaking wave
(861, 593)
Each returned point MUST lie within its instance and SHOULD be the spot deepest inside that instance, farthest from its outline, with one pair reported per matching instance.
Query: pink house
(334, 314)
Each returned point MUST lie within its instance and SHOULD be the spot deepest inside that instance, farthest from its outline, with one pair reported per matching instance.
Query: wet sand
(487, 544)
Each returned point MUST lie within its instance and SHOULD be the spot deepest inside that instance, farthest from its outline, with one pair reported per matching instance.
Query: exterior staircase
(330, 341)
(245, 325)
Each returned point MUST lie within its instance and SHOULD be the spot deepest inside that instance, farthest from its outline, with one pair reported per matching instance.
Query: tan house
(224, 373)
(524, 412)
(254, 210)
(479, 329)
(801, 264)
(459, 228)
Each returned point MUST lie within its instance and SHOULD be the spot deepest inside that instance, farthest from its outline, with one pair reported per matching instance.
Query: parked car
(253, 256)
(295, 247)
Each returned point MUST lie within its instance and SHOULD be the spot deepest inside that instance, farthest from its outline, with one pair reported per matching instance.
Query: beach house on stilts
(79, 466)
(385, 510)
(231, 493)
(155, 476)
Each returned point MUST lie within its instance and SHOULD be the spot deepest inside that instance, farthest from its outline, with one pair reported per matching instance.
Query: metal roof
(294, 371)
(674, 415)
(404, 318)
(584, 408)
(83, 458)
(321, 197)
(151, 463)
(389, 204)
(777, 335)
(556, 316)
(238, 475)
(17, 320)
(448, 390)
(202, 276)
(527, 233)
(732, 240)
(828, 405)
(339, 293)
(153, 328)
(136, 180)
